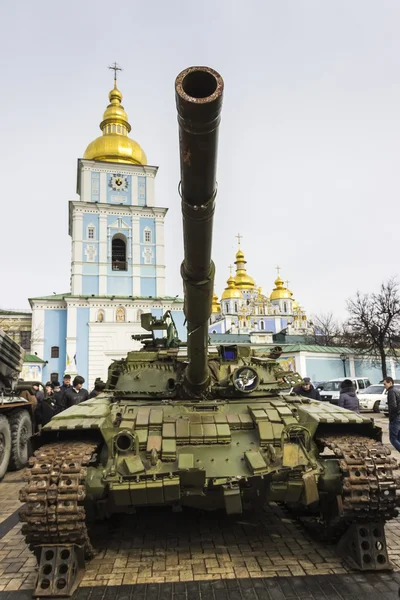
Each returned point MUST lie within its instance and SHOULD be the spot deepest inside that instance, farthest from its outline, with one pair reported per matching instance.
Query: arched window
(262, 325)
(118, 253)
(236, 307)
(120, 314)
(285, 307)
(227, 307)
(55, 352)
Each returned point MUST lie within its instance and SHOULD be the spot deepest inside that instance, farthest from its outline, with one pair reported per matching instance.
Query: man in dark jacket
(393, 401)
(307, 390)
(76, 393)
(66, 385)
(348, 397)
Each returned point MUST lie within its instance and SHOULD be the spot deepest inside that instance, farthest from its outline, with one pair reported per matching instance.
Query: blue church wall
(119, 285)
(284, 323)
(95, 189)
(323, 369)
(217, 327)
(148, 286)
(116, 197)
(55, 333)
(142, 191)
(90, 269)
(82, 342)
(148, 271)
(270, 325)
(90, 285)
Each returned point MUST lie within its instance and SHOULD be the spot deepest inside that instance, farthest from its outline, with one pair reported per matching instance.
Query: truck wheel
(5, 445)
(21, 432)
(376, 406)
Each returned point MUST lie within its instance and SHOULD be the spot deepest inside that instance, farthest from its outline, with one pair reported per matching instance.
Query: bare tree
(373, 327)
(327, 330)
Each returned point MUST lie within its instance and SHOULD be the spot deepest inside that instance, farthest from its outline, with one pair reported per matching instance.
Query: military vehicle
(186, 426)
(16, 408)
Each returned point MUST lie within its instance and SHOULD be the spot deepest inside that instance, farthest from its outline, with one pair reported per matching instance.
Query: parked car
(383, 407)
(331, 391)
(371, 397)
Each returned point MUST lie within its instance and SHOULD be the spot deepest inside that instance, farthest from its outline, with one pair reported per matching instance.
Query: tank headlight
(245, 379)
(124, 441)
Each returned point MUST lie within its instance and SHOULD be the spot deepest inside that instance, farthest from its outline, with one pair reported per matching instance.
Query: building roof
(110, 297)
(32, 358)
(312, 348)
(19, 312)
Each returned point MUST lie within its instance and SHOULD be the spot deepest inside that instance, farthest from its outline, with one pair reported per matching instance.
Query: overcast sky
(309, 149)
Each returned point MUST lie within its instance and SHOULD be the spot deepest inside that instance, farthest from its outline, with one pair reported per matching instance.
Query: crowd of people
(56, 398)
(348, 399)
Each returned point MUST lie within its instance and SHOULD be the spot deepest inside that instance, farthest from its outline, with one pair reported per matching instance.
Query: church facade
(244, 309)
(117, 259)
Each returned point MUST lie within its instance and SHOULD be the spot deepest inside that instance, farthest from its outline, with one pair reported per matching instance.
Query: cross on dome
(239, 237)
(115, 67)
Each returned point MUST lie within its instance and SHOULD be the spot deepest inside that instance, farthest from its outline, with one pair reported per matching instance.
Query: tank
(16, 408)
(190, 425)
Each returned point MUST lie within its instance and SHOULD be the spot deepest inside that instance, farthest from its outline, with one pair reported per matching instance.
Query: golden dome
(215, 307)
(115, 145)
(280, 292)
(242, 280)
(231, 291)
(295, 305)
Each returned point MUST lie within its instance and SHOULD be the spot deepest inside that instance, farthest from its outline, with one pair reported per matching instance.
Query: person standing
(58, 398)
(99, 386)
(393, 401)
(348, 397)
(66, 383)
(77, 393)
(307, 390)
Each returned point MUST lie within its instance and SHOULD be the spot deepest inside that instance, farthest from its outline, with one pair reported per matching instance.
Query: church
(244, 309)
(117, 259)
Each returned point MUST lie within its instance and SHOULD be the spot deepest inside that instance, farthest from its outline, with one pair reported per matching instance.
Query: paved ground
(159, 554)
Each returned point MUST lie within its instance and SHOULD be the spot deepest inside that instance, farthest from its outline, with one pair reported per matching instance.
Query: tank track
(369, 486)
(54, 494)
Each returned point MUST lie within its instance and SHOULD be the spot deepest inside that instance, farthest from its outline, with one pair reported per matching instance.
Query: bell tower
(116, 229)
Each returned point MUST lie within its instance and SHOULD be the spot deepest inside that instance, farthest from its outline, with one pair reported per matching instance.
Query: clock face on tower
(118, 183)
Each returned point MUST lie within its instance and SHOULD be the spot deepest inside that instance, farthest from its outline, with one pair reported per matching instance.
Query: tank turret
(198, 92)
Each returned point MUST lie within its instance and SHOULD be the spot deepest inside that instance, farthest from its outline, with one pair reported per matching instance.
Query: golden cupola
(242, 279)
(215, 307)
(115, 145)
(280, 292)
(231, 291)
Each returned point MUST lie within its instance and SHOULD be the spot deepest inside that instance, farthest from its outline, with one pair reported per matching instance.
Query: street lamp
(343, 359)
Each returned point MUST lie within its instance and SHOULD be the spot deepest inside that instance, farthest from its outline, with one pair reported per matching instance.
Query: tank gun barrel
(199, 92)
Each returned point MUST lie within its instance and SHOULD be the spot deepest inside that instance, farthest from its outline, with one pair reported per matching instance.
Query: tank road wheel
(5, 445)
(21, 432)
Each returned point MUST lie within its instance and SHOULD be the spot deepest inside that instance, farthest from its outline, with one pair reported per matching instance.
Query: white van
(331, 391)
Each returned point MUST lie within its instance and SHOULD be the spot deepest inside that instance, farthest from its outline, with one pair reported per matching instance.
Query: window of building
(118, 254)
(227, 307)
(55, 352)
(214, 331)
(262, 325)
(25, 339)
(90, 232)
(147, 236)
(236, 307)
(285, 307)
(54, 377)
